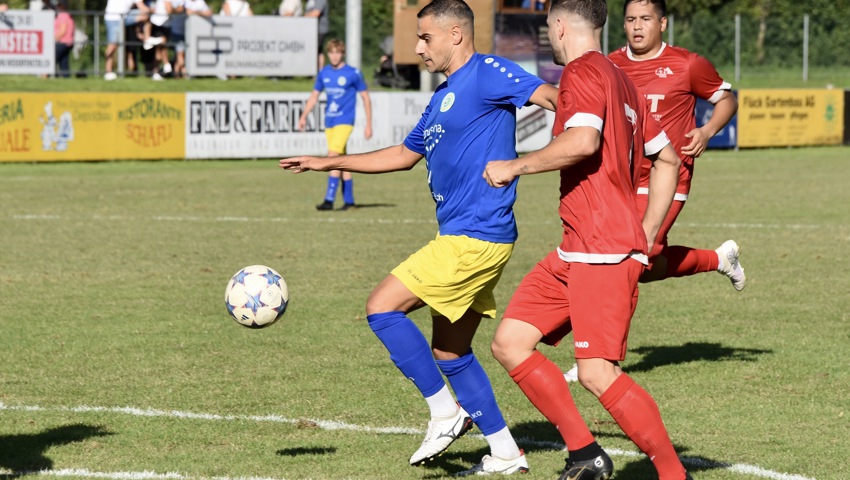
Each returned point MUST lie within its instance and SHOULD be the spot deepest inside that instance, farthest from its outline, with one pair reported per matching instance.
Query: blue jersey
(470, 120)
(341, 86)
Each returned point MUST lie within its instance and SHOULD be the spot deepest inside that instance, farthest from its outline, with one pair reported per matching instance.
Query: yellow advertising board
(772, 118)
(91, 126)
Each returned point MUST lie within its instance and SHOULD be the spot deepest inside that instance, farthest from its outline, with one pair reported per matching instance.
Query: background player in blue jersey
(470, 119)
(341, 83)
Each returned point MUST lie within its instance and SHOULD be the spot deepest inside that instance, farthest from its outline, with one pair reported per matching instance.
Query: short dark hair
(594, 12)
(660, 6)
(455, 9)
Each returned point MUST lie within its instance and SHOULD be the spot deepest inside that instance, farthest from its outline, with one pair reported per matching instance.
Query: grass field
(751, 77)
(119, 360)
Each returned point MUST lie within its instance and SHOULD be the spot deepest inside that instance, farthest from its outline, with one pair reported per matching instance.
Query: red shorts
(594, 301)
(672, 214)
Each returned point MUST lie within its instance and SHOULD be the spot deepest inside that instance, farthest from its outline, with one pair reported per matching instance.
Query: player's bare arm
(390, 159)
(308, 107)
(663, 179)
(724, 110)
(565, 150)
(367, 107)
(546, 96)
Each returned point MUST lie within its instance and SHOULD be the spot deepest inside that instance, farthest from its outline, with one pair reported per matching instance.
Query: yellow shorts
(338, 137)
(453, 274)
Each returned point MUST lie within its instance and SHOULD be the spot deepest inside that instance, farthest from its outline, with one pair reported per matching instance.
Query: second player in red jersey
(671, 79)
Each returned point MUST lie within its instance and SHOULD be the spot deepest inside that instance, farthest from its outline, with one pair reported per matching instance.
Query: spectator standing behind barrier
(290, 8)
(134, 34)
(116, 15)
(236, 8)
(319, 9)
(178, 33)
(63, 32)
(160, 32)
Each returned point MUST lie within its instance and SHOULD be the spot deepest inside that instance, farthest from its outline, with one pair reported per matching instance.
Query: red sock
(684, 261)
(543, 383)
(637, 414)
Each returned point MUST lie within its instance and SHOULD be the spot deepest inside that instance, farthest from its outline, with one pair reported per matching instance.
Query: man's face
(434, 45)
(559, 56)
(643, 27)
(335, 56)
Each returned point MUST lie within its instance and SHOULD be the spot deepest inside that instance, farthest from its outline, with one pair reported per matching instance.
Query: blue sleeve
(415, 140)
(360, 84)
(318, 84)
(506, 82)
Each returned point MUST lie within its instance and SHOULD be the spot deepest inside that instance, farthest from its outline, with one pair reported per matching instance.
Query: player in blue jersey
(341, 83)
(471, 118)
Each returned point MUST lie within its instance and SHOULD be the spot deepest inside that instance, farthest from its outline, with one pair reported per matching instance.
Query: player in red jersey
(671, 79)
(589, 285)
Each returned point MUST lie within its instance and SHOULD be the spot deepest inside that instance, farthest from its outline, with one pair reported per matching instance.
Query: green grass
(112, 278)
(751, 77)
(21, 83)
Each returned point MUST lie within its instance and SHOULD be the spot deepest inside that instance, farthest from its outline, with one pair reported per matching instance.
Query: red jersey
(598, 211)
(671, 81)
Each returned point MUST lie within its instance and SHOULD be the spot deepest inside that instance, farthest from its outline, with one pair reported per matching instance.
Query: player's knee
(500, 348)
(596, 380)
(444, 355)
(374, 305)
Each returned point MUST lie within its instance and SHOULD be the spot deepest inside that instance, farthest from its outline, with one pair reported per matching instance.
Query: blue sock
(348, 191)
(409, 350)
(333, 185)
(474, 392)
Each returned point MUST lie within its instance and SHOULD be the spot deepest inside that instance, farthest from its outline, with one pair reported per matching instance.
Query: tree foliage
(771, 30)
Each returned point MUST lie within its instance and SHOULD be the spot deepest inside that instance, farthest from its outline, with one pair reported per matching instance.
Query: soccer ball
(256, 296)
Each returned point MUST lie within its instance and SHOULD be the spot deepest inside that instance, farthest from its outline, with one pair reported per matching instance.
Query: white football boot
(441, 433)
(729, 265)
(572, 374)
(498, 466)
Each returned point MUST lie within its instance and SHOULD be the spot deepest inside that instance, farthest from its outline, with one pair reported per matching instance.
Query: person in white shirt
(115, 17)
(178, 32)
(290, 8)
(160, 31)
(236, 8)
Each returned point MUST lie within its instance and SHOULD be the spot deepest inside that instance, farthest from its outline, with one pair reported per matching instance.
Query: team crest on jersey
(663, 72)
(448, 101)
(341, 81)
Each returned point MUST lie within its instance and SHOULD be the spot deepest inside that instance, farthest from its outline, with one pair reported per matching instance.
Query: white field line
(326, 425)
(334, 219)
(144, 475)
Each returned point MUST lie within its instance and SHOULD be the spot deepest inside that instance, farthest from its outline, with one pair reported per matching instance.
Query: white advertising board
(261, 45)
(26, 42)
(533, 128)
(265, 125)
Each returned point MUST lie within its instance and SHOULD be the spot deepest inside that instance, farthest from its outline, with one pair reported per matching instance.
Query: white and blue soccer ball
(256, 296)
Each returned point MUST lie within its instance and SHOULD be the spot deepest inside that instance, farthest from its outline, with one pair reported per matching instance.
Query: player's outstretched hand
(498, 173)
(297, 164)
